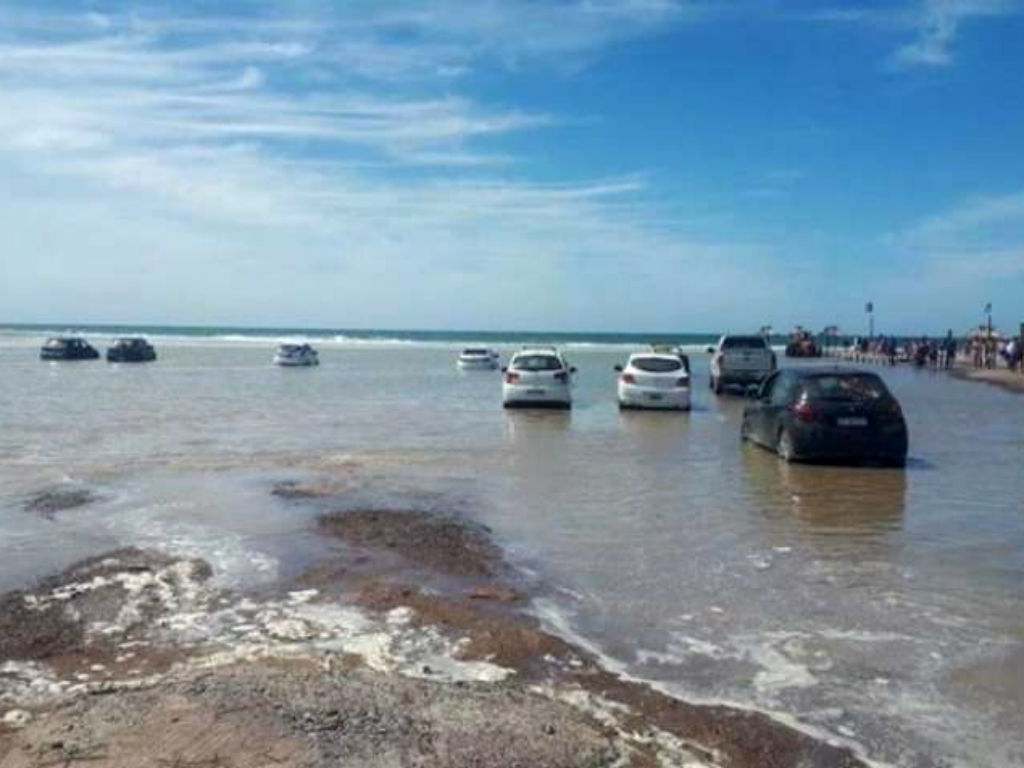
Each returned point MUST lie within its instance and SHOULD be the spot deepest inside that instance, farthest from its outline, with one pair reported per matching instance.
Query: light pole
(990, 353)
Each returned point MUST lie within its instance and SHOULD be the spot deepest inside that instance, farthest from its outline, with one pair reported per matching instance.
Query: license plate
(535, 392)
(655, 396)
(852, 421)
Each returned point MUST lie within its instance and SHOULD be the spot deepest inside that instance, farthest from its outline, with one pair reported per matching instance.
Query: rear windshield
(56, 342)
(537, 363)
(743, 342)
(656, 364)
(476, 352)
(856, 386)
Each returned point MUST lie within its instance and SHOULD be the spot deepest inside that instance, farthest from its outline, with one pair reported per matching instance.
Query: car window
(857, 386)
(743, 342)
(656, 364)
(769, 386)
(782, 393)
(537, 363)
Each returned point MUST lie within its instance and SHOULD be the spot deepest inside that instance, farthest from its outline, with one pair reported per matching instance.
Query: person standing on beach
(949, 350)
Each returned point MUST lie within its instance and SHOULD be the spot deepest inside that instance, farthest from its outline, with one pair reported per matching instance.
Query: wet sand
(1012, 381)
(410, 646)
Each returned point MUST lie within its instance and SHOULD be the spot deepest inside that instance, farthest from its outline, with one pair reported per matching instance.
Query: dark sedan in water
(132, 349)
(828, 414)
(68, 348)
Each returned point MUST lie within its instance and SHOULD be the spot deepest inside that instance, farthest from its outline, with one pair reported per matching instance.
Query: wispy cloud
(337, 142)
(937, 23)
(933, 25)
(978, 240)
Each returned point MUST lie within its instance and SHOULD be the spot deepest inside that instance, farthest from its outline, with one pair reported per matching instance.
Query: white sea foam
(555, 620)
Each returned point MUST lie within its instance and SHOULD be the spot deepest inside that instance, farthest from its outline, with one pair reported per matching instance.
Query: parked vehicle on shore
(131, 349)
(478, 359)
(652, 380)
(802, 344)
(828, 414)
(296, 356)
(68, 348)
(537, 377)
(740, 361)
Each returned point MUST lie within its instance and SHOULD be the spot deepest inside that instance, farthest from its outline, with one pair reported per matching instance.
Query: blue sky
(504, 164)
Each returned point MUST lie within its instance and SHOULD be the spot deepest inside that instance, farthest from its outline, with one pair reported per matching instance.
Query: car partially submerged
(68, 348)
(478, 359)
(655, 380)
(131, 349)
(537, 378)
(296, 356)
(828, 414)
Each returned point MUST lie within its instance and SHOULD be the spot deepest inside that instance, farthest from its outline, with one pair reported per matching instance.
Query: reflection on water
(849, 503)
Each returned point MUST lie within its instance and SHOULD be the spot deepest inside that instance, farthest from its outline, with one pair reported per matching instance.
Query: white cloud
(937, 24)
(933, 25)
(206, 162)
(976, 246)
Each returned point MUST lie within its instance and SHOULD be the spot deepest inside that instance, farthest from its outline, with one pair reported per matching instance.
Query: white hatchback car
(537, 377)
(655, 380)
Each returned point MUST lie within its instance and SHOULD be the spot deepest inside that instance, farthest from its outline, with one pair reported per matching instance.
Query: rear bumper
(843, 444)
(514, 396)
(632, 396)
(727, 376)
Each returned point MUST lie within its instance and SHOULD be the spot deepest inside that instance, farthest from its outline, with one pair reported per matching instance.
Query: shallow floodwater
(883, 608)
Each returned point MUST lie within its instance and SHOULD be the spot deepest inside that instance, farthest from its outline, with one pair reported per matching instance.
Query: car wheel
(785, 447)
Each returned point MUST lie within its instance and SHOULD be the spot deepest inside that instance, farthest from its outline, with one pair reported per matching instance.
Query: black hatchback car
(828, 414)
(133, 349)
(68, 348)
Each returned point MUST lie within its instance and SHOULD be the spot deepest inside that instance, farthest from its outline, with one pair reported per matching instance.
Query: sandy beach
(1012, 381)
(410, 649)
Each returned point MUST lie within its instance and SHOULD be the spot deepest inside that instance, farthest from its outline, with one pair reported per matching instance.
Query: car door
(779, 400)
(757, 413)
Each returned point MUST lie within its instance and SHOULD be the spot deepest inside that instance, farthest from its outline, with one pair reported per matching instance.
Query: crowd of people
(979, 351)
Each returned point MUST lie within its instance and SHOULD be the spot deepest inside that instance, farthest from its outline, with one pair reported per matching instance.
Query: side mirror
(504, 369)
(618, 368)
(572, 370)
(711, 350)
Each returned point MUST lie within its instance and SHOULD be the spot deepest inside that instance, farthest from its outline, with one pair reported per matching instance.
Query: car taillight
(562, 376)
(895, 410)
(804, 411)
(628, 378)
(683, 382)
(720, 359)
(511, 377)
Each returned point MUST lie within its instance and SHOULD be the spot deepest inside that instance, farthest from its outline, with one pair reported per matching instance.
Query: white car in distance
(655, 380)
(296, 356)
(537, 378)
(478, 359)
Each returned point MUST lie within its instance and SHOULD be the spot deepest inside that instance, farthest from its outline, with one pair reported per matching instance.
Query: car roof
(659, 355)
(814, 371)
(550, 351)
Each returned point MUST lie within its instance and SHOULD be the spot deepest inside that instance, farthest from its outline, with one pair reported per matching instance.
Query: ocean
(875, 607)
